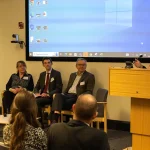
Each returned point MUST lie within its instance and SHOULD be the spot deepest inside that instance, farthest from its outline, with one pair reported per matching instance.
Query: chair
(101, 97)
(66, 112)
(46, 108)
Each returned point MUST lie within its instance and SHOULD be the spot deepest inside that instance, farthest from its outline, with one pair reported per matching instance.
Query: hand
(13, 91)
(44, 95)
(137, 63)
(19, 89)
(148, 67)
(37, 94)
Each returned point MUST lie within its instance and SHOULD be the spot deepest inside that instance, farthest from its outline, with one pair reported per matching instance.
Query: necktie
(47, 83)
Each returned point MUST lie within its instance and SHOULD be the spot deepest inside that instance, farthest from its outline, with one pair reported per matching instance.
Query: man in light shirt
(80, 82)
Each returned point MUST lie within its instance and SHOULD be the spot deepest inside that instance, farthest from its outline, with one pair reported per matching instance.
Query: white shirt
(74, 85)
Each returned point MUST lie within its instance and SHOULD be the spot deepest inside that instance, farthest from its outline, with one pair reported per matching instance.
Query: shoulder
(29, 75)
(42, 73)
(73, 73)
(57, 127)
(7, 128)
(55, 71)
(36, 131)
(89, 73)
(98, 133)
(13, 75)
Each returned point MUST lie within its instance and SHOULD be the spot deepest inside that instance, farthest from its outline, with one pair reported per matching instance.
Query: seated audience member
(138, 64)
(77, 133)
(80, 82)
(23, 132)
(16, 83)
(49, 83)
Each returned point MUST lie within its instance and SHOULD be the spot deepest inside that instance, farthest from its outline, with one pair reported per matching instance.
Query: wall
(11, 12)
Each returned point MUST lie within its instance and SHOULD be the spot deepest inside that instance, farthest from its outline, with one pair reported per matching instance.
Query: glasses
(81, 64)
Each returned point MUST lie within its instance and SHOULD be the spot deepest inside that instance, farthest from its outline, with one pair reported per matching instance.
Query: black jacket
(55, 82)
(76, 135)
(85, 84)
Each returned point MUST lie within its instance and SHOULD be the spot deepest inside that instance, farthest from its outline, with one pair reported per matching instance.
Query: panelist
(49, 83)
(16, 83)
(80, 82)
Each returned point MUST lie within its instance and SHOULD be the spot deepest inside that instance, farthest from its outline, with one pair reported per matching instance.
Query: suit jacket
(87, 88)
(76, 135)
(55, 83)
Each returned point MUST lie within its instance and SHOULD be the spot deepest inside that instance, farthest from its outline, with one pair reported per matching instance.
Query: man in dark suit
(77, 134)
(49, 83)
(80, 82)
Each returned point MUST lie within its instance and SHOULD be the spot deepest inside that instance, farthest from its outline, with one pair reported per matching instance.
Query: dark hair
(46, 58)
(24, 111)
(21, 62)
(86, 107)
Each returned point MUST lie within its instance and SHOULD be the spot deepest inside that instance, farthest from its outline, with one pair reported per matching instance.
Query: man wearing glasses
(80, 82)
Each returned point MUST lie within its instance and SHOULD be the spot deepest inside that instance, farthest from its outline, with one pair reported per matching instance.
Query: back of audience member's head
(24, 111)
(85, 108)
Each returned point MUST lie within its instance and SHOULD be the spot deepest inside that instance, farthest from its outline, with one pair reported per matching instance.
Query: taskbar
(89, 54)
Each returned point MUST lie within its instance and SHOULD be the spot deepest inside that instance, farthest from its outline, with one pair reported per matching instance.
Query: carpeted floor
(118, 140)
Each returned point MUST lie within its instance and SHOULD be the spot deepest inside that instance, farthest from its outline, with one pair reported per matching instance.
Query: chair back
(101, 96)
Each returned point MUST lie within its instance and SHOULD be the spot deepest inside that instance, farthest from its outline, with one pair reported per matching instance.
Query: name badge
(52, 79)
(82, 83)
(25, 78)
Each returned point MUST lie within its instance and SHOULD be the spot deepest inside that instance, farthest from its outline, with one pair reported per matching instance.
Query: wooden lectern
(134, 83)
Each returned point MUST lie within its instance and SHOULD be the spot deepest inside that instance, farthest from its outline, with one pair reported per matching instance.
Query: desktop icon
(45, 27)
(70, 54)
(44, 2)
(32, 2)
(31, 15)
(91, 54)
(38, 27)
(101, 54)
(75, 54)
(38, 2)
(45, 40)
(38, 40)
(30, 53)
(38, 15)
(31, 39)
(95, 54)
(44, 13)
(31, 27)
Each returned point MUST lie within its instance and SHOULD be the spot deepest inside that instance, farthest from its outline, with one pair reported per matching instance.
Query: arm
(30, 84)
(8, 85)
(37, 87)
(104, 142)
(6, 134)
(67, 88)
(42, 139)
(59, 85)
(90, 85)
